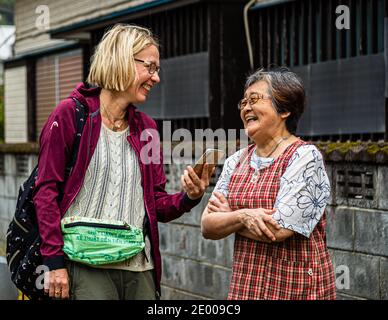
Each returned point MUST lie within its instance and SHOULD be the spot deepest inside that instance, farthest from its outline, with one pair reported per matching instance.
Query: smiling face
(261, 120)
(144, 82)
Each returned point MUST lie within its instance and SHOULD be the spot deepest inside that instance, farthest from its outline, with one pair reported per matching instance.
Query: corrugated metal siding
(15, 105)
(303, 35)
(56, 77)
(45, 90)
(62, 13)
(181, 31)
(184, 92)
(43, 41)
(184, 35)
(70, 73)
(344, 96)
(302, 32)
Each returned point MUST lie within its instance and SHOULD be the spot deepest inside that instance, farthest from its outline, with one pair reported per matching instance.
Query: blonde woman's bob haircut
(113, 65)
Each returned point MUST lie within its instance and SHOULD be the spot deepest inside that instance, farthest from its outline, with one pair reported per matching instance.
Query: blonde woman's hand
(254, 220)
(218, 203)
(193, 185)
(56, 283)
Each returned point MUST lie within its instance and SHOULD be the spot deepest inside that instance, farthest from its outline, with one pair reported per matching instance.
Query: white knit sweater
(112, 190)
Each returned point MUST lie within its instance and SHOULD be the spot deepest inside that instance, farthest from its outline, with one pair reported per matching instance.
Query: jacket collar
(89, 96)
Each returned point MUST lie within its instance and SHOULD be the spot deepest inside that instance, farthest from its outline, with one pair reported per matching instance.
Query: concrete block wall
(357, 236)
(15, 172)
(195, 268)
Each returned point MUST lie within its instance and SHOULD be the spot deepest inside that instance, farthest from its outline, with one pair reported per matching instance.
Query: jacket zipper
(97, 225)
(90, 134)
(20, 226)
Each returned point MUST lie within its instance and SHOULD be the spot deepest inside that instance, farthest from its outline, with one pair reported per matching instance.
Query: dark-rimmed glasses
(251, 100)
(151, 66)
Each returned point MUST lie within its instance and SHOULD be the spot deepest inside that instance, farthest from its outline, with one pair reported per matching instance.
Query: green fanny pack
(98, 242)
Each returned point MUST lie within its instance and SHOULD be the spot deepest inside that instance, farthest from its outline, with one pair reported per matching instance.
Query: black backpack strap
(80, 118)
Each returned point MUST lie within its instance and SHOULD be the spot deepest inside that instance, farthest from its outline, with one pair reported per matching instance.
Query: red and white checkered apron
(297, 268)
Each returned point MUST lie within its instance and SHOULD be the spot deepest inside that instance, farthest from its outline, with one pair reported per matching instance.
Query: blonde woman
(110, 180)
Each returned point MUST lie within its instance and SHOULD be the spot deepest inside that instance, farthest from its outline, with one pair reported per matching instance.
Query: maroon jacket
(56, 143)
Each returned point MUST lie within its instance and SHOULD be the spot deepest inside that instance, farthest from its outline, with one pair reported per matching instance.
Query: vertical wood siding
(15, 105)
(56, 77)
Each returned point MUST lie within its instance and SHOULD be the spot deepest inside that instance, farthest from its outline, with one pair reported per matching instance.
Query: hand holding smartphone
(212, 157)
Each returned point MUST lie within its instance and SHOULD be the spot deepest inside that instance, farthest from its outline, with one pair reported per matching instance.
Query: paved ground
(7, 290)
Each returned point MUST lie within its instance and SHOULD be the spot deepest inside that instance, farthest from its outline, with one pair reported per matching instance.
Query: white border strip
(3, 260)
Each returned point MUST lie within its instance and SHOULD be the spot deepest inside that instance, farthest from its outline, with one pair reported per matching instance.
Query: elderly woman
(110, 179)
(272, 195)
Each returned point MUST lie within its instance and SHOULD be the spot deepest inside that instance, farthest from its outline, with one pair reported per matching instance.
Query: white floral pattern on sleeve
(304, 191)
(222, 184)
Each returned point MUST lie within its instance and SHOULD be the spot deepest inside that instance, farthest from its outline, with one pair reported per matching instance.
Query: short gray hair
(286, 91)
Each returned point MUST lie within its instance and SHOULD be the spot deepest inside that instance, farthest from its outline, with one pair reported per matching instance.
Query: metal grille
(344, 97)
(184, 91)
(356, 183)
(181, 31)
(303, 32)
(22, 165)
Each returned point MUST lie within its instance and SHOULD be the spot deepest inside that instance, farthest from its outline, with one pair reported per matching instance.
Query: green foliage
(6, 12)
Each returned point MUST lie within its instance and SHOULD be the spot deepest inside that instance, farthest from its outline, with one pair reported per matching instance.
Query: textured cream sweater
(112, 190)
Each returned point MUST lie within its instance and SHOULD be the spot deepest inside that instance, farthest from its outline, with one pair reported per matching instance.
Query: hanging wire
(247, 33)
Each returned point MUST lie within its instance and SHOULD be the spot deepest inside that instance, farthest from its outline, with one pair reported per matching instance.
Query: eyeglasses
(251, 100)
(151, 66)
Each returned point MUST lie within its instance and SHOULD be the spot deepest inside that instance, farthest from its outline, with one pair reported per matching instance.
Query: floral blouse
(304, 188)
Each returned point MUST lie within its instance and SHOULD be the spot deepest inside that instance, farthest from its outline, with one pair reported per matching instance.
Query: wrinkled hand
(56, 284)
(246, 233)
(193, 185)
(254, 220)
(218, 203)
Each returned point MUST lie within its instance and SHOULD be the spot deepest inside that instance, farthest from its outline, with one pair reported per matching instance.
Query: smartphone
(211, 157)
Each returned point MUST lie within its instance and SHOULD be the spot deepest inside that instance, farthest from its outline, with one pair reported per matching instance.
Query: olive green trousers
(88, 283)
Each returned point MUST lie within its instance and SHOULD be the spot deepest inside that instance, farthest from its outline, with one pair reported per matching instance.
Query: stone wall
(14, 170)
(195, 268)
(357, 233)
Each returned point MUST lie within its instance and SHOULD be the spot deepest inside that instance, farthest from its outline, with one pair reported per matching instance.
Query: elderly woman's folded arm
(219, 225)
(280, 235)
